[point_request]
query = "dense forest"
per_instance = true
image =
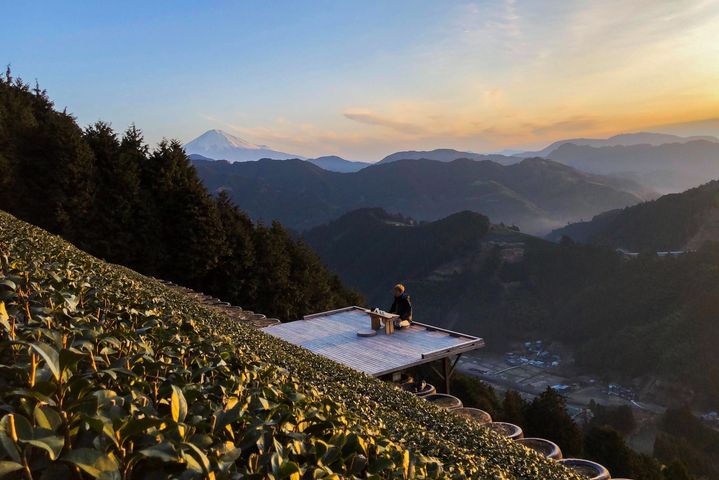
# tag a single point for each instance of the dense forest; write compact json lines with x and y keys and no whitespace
{"x":373,"y":249}
{"x":624,"y":318}
{"x":685,"y":448}
{"x":673,"y":222}
{"x":113,"y":196}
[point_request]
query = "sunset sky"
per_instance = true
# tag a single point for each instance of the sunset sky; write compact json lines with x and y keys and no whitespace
{"x":364,"y":79}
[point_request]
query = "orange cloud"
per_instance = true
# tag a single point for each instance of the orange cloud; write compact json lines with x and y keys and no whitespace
{"x":370,"y":118}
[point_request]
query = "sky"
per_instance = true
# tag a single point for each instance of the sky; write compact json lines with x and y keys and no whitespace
{"x":367,"y":78}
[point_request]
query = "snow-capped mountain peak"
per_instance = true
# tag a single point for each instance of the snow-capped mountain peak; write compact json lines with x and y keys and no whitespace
{"x":220,"y":145}
{"x":220,"y":139}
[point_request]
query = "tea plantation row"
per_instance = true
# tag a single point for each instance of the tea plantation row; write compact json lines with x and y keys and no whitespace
{"x":107,"y":374}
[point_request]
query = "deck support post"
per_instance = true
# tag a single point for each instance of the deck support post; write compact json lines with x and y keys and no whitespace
{"x":447,"y":373}
{"x":448,"y":368}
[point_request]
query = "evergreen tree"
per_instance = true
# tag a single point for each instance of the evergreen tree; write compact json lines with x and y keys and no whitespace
{"x":52,"y":167}
{"x":132,"y":155}
{"x":111,"y":234}
{"x":191,"y":237}
{"x":477,"y":394}
{"x":547,"y":417}
{"x":606,"y":446}
{"x":234,"y":273}
{"x":513,"y":408}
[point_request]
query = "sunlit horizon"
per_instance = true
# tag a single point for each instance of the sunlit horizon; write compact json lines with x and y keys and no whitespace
{"x":363,"y":81}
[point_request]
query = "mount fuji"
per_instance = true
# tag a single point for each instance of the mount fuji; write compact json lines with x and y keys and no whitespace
{"x":219,"y":145}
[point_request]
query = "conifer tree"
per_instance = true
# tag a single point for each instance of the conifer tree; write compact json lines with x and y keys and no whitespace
{"x":111,"y":232}
{"x":234,"y":273}
{"x":547,"y":417}
{"x":606,"y":446}
{"x":513,"y":408}
{"x":191,"y":236}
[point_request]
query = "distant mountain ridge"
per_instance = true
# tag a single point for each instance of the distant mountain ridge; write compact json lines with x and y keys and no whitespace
{"x":535,"y":194}
{"x":447,"y":155}
{"x":219,"y":145}
{"x":680,"y":221}
{"x":333,"y":163}
{"x":216,"y":144}
{"x":624,"y":139}
{"x":397,"y":242}
{"x":669,"y":168}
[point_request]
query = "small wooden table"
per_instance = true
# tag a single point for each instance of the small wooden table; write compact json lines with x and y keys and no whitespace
{"x":388,"y":319}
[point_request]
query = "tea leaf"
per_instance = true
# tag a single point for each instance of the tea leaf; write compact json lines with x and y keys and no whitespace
{"x":178,"y":404}
{"x":47,"y":440}
{"x":164,"y":452}
{"x":9,"y":467}
{"x":50,"y":355}
{"x":46,"y":417}
{"x":94,"y":462}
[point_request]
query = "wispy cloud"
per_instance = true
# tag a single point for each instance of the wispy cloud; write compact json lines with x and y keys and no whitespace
{"x":500,"y":73}
{"x":370,"y":118}
{"x":577,"y":123}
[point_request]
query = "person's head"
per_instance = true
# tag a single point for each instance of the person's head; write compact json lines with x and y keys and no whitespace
{"x":398,"y":290}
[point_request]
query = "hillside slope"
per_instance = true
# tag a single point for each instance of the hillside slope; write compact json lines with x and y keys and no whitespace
{"x":673,"y":222}
{"x":110,"y":373}
{"x":535,"y":194}
{"x":374,"y":250}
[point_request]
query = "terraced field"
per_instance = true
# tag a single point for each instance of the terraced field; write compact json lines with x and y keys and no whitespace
{"x":108,"y":374}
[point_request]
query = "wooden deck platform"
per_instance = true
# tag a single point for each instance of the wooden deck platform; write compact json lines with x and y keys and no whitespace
{"x":334,"y":335}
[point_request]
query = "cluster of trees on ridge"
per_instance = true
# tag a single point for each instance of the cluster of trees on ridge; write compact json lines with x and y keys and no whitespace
{"x":685,"y":449}
{"x":649,"y":316}
{"x":673,"y":222}
{"x":145,"y":208}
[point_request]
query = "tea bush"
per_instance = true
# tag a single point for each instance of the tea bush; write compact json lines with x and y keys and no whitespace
{"x":107,"y":374}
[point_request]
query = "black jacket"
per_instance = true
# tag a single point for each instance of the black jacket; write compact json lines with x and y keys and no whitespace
{"x":402,"y":306}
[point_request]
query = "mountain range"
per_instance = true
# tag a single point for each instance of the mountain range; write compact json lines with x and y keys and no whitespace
{"x":447,"y":155}
{"x":333,"y":163}
{"x":371,"y":248}
{"x":219,"y":145}
{"x":660,"y":162}
{"x":668,"y":168}
{"x":624,"y":139}
{"x":535,"y":194}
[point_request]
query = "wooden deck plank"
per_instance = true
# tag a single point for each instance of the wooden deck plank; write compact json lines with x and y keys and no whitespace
{"x":334,"y":335}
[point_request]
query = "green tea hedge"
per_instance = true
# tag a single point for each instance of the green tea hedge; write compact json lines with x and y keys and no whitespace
{"x":107,"y":374}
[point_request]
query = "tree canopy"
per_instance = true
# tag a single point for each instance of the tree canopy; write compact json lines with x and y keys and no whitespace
{"x":115,"y":197}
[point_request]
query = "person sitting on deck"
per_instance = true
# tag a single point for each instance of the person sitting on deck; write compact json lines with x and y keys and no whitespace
{"x":402,"y":306}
